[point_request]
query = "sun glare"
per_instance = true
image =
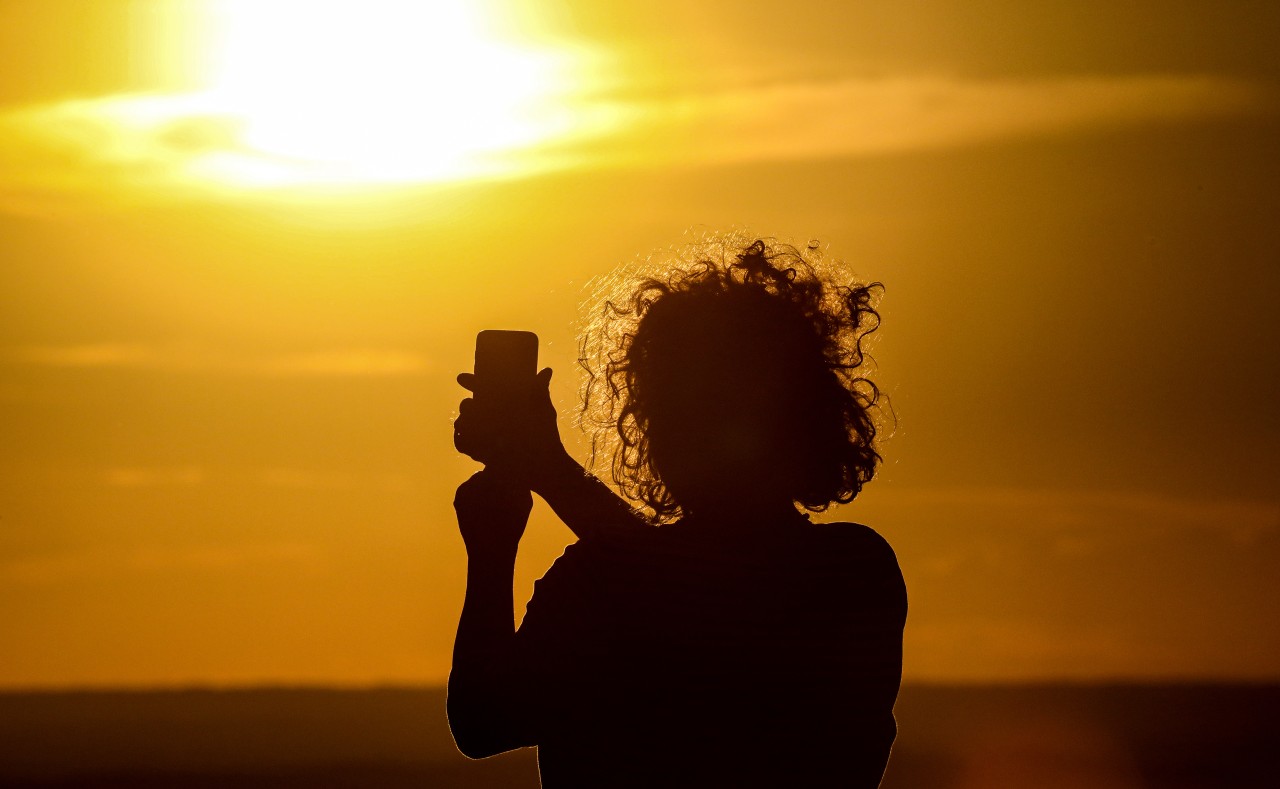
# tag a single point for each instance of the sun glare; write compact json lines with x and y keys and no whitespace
{"x":298,"y":93}
{"x":381,"y":91}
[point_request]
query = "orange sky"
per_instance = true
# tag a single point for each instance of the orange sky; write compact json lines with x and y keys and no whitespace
{"x":226,"y":406}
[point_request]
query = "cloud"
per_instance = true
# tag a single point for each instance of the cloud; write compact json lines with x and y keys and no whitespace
{"x":333,"y":362}
{"x":863,"y":117}
{"x":86,"y":355}
{"x":114,"y":564}
{"x":1068,"y":513}
{"x":1026,"y":583}
{"x":361,"y":362}
{"x":977,"y":647}
{"x":1029,"y":645}
{"x":314,"y":479}
{"x":136,"y":477}
{"x":174,"y":144}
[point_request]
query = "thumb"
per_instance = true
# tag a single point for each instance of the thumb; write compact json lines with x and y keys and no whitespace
{"x":544,"y":377}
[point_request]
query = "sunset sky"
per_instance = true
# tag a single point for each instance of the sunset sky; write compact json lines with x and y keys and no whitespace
{"x":246,"y":246}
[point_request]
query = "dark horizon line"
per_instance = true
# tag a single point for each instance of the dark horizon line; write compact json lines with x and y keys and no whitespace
{"x":196,"y":687}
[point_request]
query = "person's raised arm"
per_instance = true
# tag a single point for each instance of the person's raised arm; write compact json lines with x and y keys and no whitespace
{"x":526,"y":445}
{"x":485,"y":704}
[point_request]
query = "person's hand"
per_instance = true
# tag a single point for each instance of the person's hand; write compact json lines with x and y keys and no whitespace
{"x":519,"y":435}
{"x":492,"y":514}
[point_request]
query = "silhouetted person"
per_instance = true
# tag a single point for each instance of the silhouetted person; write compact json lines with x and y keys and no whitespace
{"x":723,"y":639}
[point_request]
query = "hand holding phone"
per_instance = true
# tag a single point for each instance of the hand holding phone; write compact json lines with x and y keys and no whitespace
{"x":510,"y":423}
{"x":496,"y":425}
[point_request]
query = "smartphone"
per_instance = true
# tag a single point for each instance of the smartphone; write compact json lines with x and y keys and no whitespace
{"x":506,"y":363}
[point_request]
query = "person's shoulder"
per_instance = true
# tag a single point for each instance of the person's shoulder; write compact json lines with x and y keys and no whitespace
{"x":856,"y":537}
{"x":870,"y":553}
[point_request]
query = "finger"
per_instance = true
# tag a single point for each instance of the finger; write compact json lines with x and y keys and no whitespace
{"x":466,"y":405}
{"x":463,"y":441}
{"x":467,"y":381}
{"x":467,"y":446}
{"x":542,"y":391}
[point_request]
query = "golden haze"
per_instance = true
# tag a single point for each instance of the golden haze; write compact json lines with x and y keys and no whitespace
{"x":247,"y":246}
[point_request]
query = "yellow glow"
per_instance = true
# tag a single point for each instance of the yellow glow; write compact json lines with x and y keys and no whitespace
{"x":372,"y":91}
{"x":289,"y":93}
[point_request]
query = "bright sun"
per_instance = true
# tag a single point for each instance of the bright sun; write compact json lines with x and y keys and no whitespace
{"x":285,"y":94}
{"x":377,"y":90}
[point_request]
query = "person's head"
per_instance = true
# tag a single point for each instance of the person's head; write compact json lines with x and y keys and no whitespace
{"x":735,"y":377}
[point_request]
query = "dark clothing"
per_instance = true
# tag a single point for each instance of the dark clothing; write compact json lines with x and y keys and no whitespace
{"x":665,"y":657}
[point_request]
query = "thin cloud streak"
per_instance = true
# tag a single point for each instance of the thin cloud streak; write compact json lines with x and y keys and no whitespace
{"x":352,"y":363}
{"x":301,"y":479}
{"x":337,"y":362}
{"x":106,"y":565}
{"x":896,"y":115}
{"x":1065,"y":510}
{"x":160,"y":145}
{"x":995,"y":576}
{"x":138,"y":477}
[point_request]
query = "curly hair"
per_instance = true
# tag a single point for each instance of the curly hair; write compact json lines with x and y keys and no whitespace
{"x":777,"y":337}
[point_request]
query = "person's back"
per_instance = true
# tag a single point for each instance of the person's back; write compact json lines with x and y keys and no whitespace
{"x":662,"y":658}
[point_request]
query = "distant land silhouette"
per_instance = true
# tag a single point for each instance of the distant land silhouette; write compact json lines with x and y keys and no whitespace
{"x":1106,"y":736}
